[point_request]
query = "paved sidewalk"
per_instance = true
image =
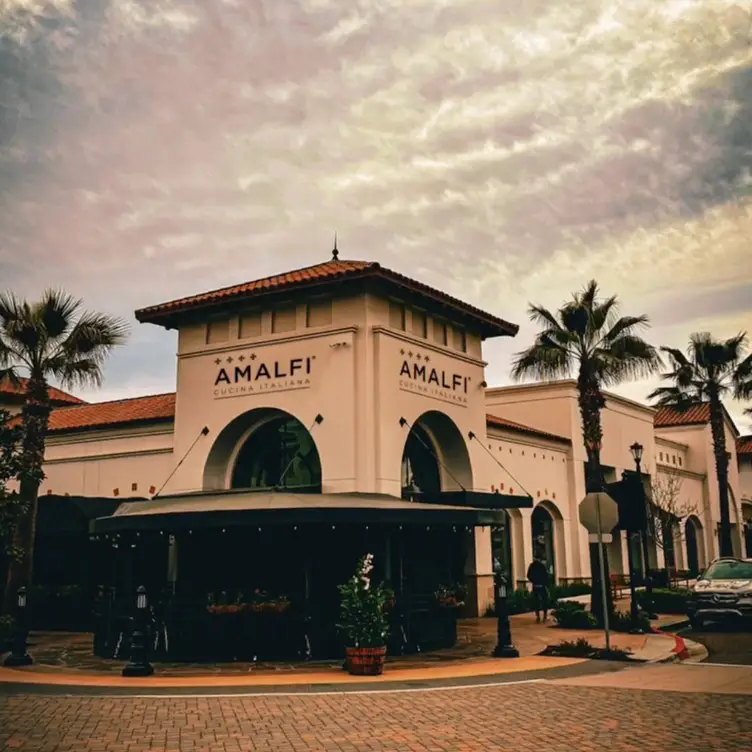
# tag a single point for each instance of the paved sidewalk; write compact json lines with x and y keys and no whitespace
{"x":66,"y":659}
{"x":693,"y":678}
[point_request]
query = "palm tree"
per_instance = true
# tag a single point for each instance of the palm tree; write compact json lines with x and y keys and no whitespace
{"x":710,"y":370}
{"x":587,"y":338}
{"x":50,"y":338}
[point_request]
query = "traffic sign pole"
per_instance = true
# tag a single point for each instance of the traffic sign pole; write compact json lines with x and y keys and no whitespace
{"x":604,"y":595}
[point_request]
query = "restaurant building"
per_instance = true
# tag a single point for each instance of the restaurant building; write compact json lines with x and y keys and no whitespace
{"x":343,"y":408}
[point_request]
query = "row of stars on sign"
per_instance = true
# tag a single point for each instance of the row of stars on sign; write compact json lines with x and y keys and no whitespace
{"x":418,"y":356}
{"x":229,"y":359}
{"x":253,"y":356}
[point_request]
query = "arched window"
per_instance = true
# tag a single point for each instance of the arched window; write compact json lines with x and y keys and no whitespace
{"x":420,"y":466}
{"x":278,"y":454}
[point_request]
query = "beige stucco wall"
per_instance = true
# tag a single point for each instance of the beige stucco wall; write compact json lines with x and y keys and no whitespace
{"x":97,"y":463}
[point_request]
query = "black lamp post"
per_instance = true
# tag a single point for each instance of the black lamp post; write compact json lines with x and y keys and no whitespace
{"x":636,"y":450}
{"x":504,"y":647}
{"x":18,"y":655}
{"x":139,"y":663}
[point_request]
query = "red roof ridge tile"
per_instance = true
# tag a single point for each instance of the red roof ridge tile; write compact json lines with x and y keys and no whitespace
{"x":522,"y":428}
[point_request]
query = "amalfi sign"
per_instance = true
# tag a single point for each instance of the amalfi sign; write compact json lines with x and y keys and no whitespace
{"x":238,"y":376}
{"x":419,"y":376}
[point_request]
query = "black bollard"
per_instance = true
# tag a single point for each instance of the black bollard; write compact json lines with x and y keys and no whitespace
{"x":139,"y":663}
{"x":99,"y":648}
{"x":18,"y":655}
{"x":504,"y":647}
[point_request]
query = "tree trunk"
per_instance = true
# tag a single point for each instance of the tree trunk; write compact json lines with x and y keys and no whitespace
{"x":721,"y":467}
{"x":591,"y":401}
{"x":34,"y":418}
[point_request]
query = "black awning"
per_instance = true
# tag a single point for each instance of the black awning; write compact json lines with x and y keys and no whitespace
{"x":72,"y":514}
{"x":243,"y":508}
{"x":477,"y":499}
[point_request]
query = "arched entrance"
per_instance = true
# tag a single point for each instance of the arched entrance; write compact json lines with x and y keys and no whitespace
{"x":435,"y":457}
{"x":747,"y":528}
{"x":264,"y":448}
{"x":693,"y":533}
{"x":544,"y":537}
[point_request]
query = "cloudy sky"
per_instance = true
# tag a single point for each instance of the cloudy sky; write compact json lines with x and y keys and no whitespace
{"x":503,"y":151}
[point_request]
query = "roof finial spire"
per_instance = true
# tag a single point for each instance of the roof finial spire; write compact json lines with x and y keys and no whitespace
{"x":335,"y":252}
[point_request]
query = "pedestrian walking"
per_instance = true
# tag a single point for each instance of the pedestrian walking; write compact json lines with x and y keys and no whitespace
{"x":537,"y":575}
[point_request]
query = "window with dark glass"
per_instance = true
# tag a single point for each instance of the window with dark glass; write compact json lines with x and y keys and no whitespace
{"x":280,"y":453}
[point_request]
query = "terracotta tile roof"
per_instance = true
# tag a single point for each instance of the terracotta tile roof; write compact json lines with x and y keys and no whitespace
{"x":744,"y":445}
{"x":671,"y":416}
{"x":57,"y":396}
{"x":120,"y":412}
{"x":320,"y":274}
{"x":494,"y":421}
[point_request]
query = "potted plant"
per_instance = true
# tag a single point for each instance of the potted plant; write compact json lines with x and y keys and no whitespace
{"x":364,"y":621}
{"x":450,"y":596}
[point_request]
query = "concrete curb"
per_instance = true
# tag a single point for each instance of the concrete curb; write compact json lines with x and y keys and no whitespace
{"x":682,"y":650}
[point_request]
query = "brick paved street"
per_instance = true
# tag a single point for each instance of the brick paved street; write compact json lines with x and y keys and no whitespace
{"x":534,"y":717}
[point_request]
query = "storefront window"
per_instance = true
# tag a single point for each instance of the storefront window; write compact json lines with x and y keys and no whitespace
{"x":280,"y":453}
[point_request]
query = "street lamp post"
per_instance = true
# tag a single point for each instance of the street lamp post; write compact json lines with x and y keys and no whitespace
{"x":18,"y":655}
{"x":636,"y":450}
{"x":504,"y":647}
{"x":139,"y":663}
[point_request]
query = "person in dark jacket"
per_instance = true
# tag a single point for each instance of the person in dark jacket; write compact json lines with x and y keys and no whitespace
{"x":537,"y":574}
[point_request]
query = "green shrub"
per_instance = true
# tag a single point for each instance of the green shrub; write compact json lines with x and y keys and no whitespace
{"x":572,"y":615}
{"x":666,"y":601}
{"x":522,"y":601}
{"x":570,"y":590}
{"x":621,"y":622}
{"x":581,"y":648}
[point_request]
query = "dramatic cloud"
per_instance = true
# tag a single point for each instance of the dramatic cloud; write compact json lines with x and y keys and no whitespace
{"x":502,"y":151}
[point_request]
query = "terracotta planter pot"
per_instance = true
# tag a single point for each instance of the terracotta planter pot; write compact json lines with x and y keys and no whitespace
{"x":365,"y":661}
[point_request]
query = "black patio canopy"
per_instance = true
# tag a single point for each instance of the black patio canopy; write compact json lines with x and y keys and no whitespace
{"x":237,"y":508}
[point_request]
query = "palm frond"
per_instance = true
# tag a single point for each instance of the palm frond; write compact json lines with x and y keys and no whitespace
{"x":672,"y":396}
{"x":9,"y":375}
{"x":94,"y":335}
{"x":543,"y":317}
{"x":625,"y":325}
{"x":588,"y":295}
{"x":603,"y":313}
{"x":82,"y":372}
{"x":677,"y":358}
{"x":742,"y":379}
{"x":629,"y":357}
{"x":56,"y":312}
{"x":545,"y":360}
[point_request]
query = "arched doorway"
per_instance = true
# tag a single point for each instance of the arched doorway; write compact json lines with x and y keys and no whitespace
{"x":435,"y":457}
{"x":693,"y":533}
{"x":280,"y":453}
{"x":543,"y":534}
{"x":747,"y":528}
